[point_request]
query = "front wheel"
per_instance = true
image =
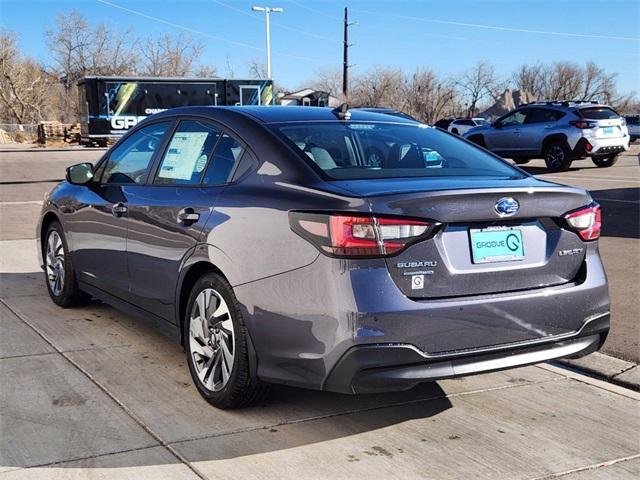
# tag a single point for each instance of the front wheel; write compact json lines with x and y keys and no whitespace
{"x":605,"y":162}
{"x":217,"y":346}
{"x":59,"y":270}
{"x":558,"y":156}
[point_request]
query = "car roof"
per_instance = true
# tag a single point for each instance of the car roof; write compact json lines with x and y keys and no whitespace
{"x":279,"y":113}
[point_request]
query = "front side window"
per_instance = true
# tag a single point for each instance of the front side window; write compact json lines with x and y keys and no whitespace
{"x":362,"y":150}
{"x":516,"y":118}
{"x":129,"y":162}
{"x":228,"y":151}
{"x":187,"y":154}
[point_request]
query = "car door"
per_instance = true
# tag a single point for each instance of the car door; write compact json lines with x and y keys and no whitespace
{"x":166,"y":216}
{"x":538,"y":124}
{"x":98,"y":225}
{"x":505,"y":137}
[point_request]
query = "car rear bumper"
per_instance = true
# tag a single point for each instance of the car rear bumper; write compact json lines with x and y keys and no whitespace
{"x":600,"y":146}
{"x":381,"y":368}
{"x":334,"y":307}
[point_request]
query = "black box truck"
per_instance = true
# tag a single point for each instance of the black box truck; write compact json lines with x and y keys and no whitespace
{"x":111,"y":105}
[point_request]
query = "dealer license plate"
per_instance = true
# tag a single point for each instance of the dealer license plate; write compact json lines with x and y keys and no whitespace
{"x":502,"y":244}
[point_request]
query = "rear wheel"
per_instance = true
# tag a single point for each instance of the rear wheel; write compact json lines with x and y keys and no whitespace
{"x":217,"y":346}
{"x":59,"y":270}
{"x":478,"y":140}
{"x":558,"y":156}
{"x":455,"y":131}
{"x":604,"y":162}
{"x":521,"y":161}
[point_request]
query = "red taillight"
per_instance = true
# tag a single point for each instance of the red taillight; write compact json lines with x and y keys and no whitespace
{"x":358,"y":236}
{"x":582,"y":124}
{"x":586,"y":221}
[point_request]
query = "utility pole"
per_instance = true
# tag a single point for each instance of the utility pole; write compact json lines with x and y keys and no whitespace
{"x":345,"y":57}
{"x":267,"y":11}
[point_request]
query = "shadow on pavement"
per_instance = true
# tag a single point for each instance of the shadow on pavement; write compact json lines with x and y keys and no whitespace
{"x":55,"y":414}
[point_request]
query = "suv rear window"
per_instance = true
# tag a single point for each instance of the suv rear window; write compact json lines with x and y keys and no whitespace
{"x":598,"y":113}
{"x":362,"y":150}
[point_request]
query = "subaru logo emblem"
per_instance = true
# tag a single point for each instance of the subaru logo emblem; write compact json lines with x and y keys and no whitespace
{"x":506,"y":206}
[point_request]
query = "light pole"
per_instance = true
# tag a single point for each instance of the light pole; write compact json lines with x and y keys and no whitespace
{"x":267,"y":11}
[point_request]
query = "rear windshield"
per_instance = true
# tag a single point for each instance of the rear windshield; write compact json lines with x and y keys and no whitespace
{"x":362,"y":150}
{"x":598,"y":113}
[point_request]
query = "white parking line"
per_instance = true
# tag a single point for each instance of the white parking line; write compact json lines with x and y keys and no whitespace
{"x":617,"y":200}
{"x":593,"y":179}
{"x":25,"y":202}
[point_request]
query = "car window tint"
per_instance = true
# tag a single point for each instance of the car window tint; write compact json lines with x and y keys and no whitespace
{"x":541,"y":115}
{"x":516,"y":118}
{"x":129,"y":161}
{"x":598,"y":113}
{"x":362,"y":150}
{"x":225,"y":155}
{"x":187,"y":154}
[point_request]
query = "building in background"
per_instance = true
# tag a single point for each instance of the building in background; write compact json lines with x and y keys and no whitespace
{"x":309,"y":97}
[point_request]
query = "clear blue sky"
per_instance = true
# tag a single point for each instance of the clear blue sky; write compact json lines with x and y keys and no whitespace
{"x":445,"y":35}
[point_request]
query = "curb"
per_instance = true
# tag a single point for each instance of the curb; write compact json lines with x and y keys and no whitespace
{"x":60,"y":149}
{"x":607,"y":368}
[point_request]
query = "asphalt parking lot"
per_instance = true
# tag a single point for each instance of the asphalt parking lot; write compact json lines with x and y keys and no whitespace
{"x":93,"y":393}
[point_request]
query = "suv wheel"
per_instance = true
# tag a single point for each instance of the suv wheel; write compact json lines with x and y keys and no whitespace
{"x":217,"y":347}
{"x":604,"y":162}
{"x":455,"y":131}
{"x":558,"y":156}
{"x":521,"y":161}
{"x":59,"y":270}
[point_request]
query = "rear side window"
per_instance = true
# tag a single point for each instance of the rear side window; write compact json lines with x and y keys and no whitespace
{"x":633,"y":120}
{"x":188,"y":152}
{"x":228,"y":151}
{"x":362,"y":150}
{"x":542,"y":115}
{"x":598,"y":113}
{"x":129,"y":162}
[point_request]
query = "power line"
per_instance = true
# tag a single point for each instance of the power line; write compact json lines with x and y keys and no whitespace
{"x":285,"y":27}
{"x":496,"y":27}
{"x":314,"y":10}
{"x":209,"y":35}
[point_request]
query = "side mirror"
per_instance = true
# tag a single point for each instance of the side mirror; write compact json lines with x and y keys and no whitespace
{"x":80,"y":174}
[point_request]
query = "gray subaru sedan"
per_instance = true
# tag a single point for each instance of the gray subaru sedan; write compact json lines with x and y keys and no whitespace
{"x":347,"y":251}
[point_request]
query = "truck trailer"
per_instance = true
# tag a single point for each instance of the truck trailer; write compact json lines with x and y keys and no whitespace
{"x":111,"y":105}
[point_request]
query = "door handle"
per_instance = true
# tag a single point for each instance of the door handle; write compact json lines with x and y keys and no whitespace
{"x":119,"y":209}
{"x":188,"y":216}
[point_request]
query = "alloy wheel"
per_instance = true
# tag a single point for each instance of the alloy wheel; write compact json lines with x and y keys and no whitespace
{"x":211,"y":339}
{"x":555,"y":156}
{"x":54,"y":262}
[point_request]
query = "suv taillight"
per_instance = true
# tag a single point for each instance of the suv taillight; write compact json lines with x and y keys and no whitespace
{"x":586,"y":221}
{"x":583,"y":124}
{"x":353,"y":235}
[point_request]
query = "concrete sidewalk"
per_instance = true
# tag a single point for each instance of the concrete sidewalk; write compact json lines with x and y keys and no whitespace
{"x":92,"y":393}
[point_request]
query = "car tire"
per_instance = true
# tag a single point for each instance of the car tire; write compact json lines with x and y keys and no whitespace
{"x":217,"y":346}
{"x":521,"y":161}
{"x":59,"y":271}
{"x":478,"y":140}
{"x":558,"y":156}
{"x":605,"y":162}
{"x":455,"y":131}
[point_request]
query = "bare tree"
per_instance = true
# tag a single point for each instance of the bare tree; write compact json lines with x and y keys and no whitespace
{"x":478,"y":83}
{"x":169,"y":56}
{"x":428,"y":98}
{"x":381,"y":87}
{"x":567,"y":81}
{"x":24,"y":85}
{"x":328,"y":80}
{"x":257,"y":69}
{"x":205,"y":71}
